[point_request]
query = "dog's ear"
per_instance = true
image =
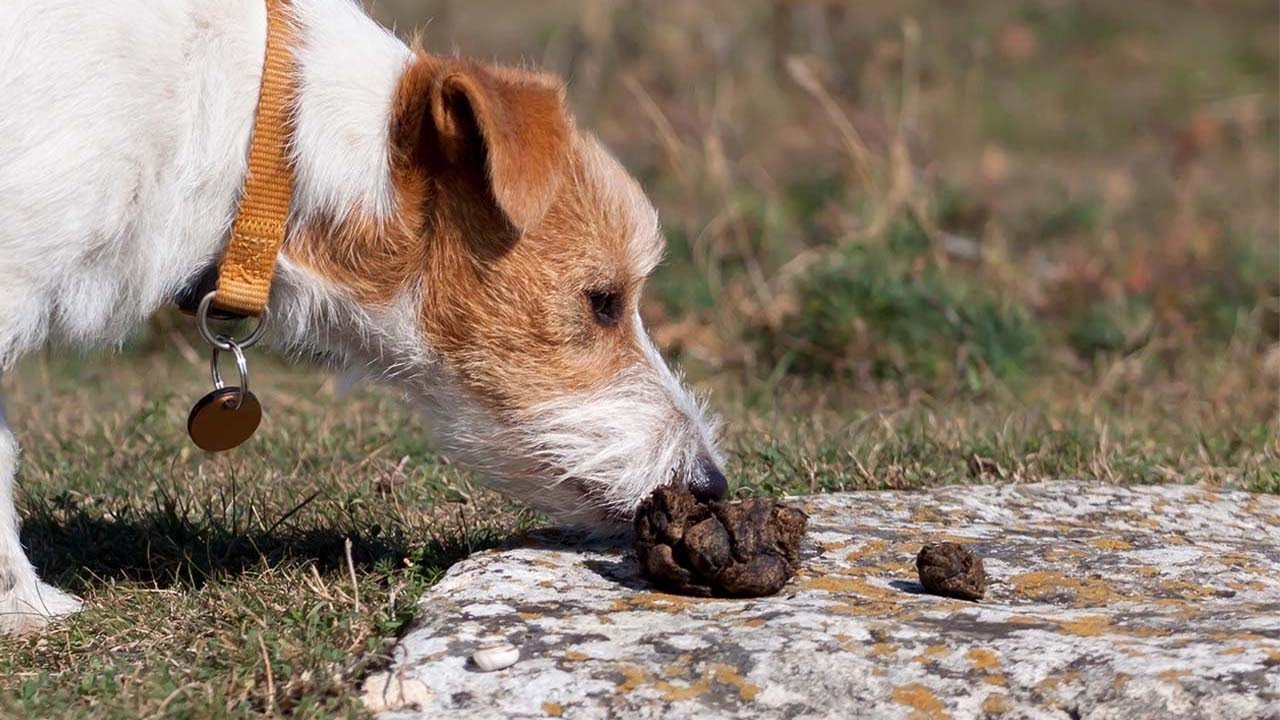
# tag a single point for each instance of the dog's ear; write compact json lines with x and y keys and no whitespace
{"x":507,"y":128}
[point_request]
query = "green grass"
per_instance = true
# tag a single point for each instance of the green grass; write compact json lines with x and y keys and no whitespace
{"x":870,"y":312}
{"x":199,"y":570}
{"x":1051,"y":252}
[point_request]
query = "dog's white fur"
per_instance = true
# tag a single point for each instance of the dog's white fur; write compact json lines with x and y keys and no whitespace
{"x":123,"y":134}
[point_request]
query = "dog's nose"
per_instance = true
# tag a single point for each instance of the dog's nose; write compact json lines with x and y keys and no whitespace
{"x":710,"y":483}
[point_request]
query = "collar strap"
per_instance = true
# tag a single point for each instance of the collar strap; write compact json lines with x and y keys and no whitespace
{"x":244,"y":276}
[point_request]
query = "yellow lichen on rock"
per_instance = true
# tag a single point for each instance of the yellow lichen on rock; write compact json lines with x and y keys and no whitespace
{"x":924,"y":703}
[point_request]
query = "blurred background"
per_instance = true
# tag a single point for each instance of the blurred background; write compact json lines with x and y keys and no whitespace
{"x":937,"y":195}
{"x":1065,"y":203}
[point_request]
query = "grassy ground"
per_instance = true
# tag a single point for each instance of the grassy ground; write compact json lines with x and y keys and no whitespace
{"x":912,"y":243}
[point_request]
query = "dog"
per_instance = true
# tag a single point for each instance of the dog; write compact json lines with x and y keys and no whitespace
{"x":451,"y":229}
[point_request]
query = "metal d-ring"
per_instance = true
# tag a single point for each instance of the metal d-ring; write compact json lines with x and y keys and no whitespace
{"x":222,"y":342}
{"x":242,"y":367}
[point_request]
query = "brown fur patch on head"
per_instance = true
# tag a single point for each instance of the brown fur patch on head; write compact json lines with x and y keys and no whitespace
{"x":508,"y":221}
{"x":517,"y":324}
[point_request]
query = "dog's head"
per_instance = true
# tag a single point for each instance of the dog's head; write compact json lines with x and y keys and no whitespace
{"x":513,"y":266}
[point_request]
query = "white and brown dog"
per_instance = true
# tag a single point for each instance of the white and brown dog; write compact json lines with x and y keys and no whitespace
{"x":450,"y":228}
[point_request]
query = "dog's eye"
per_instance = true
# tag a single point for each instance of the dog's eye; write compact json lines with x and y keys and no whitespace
{"x":606,"y":306}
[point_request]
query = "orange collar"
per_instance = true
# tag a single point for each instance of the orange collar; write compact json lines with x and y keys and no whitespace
{"x":244,"y":277}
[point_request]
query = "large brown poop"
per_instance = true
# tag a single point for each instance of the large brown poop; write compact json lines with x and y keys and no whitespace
{"x":724,"y":549}
{"x":949,"y":569}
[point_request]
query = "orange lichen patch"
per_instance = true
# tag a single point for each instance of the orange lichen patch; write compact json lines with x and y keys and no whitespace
{"x":983,"y":659}
{"x":1086,"y":626}
{"x":1186,"y":590}
{"x":1027,"y":620}
{"x":848,"y":586}
{"x":1041,"y":585}
{"x":947,"y":605}
{"x":1061,"y":553}
{"x":678,"y":668}
{"x":1273,"y":655}
{"x":635,"y":677}
{"x":604,"y":619}
{"x":924,"y":704}
{"x":632,"y":678}
{"x":552,"y":709}
{"x":1119,"y":681}
{"x":1111,"y":544}
{"x":871,"y":547}
{"x":905,"y":547}
{"x":867,"y":609}
{"x":1235,"y":650}
{"x":546,"y":584}
{"x":1145,"y":570}
{"x":574,"y":656}
{"x":529,"y":615}
{"x":931,"y":654}
{"x":848,"y":642}
{"x":996,"y":704}
{"x":729,"y":675}
{"x":882,"y":648}
{"x":1244,"y":636}
{"x":943,"y":537}
{"x":753,"y":622}
{"x":654,"y":601}
{"x":1173,"y":676}
{"x":894,"y":569}
{"x":926,"y":514}
{"x":1235,"y":559}
{"x":1243,"y":585}
{"x":996,"y":679}
{"x":673,"y":693}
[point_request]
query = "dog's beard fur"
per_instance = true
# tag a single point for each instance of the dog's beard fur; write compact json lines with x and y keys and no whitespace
{"x":587,"y":458}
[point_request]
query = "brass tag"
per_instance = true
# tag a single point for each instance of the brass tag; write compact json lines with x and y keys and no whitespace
{"x":217,"y":423}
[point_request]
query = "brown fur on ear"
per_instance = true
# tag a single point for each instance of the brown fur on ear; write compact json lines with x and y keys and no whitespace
{"x":458,"y":117}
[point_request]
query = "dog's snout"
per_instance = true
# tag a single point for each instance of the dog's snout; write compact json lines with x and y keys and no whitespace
{"x":710,"y":482}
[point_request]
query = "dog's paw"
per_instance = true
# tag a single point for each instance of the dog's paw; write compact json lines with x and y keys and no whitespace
{"x":31,"y":608}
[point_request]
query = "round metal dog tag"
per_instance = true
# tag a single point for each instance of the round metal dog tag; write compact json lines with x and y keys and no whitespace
{"x":224,"y":419}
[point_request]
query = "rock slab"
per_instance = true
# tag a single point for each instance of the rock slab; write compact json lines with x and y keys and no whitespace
{"x":1105,"y":601}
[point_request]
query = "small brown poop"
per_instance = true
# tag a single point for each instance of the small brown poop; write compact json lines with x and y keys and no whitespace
{"x":723,"y":549}
{"x":952,"y":570}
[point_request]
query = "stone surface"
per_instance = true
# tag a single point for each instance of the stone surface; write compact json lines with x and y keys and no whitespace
{"x":1106,"y":602}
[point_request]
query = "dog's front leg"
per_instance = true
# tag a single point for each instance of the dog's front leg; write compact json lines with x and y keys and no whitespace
{"x":26,"y":604}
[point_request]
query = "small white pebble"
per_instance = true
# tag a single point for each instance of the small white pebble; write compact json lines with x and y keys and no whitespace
{"x":496,"y":657}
